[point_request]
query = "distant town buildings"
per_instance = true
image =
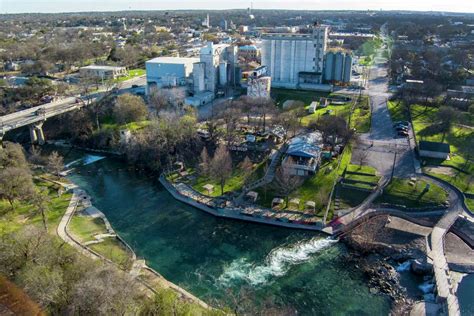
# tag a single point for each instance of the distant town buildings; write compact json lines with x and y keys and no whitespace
{"x":249,"y":53}
{"x":206,"y":22}
{"x":296,"y":60}
{"x":102,"y":72}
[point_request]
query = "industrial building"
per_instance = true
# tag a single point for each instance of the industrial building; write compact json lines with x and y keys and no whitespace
{"x":215,"y":71}
{"x":168,"y":71}
{"x":296,"y":60}
{"x":102,"y":72}
{"x":337,"y":68}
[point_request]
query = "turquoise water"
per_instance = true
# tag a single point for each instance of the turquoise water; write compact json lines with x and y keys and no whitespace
{"x":466,"y":295}
{"x":217,"y":259}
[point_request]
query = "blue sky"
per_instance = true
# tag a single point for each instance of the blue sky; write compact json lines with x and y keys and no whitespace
{"x":20,"y":6}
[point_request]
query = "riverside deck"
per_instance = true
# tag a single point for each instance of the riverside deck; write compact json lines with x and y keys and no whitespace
{"x":186,"y":194}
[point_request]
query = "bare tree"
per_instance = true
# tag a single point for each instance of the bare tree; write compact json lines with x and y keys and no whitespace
{"x":55,"y":163}
{"x":204,"y":162}
{"x":221,"y":166}
{"x":40,"y":200}
{"x":285,"y":181}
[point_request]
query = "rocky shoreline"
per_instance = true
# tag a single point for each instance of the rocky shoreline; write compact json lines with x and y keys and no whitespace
{"x":378,"y":261}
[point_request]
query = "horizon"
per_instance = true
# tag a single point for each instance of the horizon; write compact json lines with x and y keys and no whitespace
{"x":64,"y":6}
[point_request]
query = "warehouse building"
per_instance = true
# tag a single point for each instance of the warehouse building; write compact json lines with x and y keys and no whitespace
{"x":168,"y":71}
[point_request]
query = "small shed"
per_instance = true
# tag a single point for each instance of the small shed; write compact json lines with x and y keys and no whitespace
{"x":310,"y":205}
{"x":252,"y":196}
{"x":312,"y":107}
{"x":276,"y":202}
{"x":295,"y":202}
{"x":434,"y":150}
{"x":209,"y":188}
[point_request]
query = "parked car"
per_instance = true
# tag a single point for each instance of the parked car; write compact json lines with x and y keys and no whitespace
{"x":400,"y":123}
{"x":403,"y":133}
{"x":401,"y":128}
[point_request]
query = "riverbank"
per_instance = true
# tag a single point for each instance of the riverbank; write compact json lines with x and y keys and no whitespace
{"x":186,"y":194}
{"x":147,"y":276}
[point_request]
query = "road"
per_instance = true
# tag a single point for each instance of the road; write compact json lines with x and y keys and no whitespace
{"x":30,"y":116}
{"x":382,"y":148}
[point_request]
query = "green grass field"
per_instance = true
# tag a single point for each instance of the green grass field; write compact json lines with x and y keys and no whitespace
{"x":24,"y":213}
{"x":361,"y":117}
{"x":398,"y":111}
{"x":401,"y":192}
{"x":459,"y":138}
{"x":132,"y":73}
{"x":85,"y":227}
{"x":341,"y":110}
{"x":114,"y":250}
{"x":281,"y":95}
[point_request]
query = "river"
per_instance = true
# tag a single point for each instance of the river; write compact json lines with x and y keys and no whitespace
{"x":220,"y":260}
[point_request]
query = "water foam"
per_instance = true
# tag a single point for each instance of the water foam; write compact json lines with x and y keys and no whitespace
{"x":91,"y":159}
{"x":426,"y":287}
{"x":404,"y":266}
{"x":276,"y":264}
{"x":72,"y":163}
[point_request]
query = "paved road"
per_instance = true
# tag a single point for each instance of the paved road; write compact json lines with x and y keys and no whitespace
{"x":381,"y":147}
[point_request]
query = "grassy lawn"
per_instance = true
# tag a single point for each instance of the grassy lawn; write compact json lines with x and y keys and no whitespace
{"x":423,"y":119}
{"x":132,"y":73}
{"x":343,"y":110}
{"x":397,"y":111}
{"x":114,"y":250}
{"x":133,"y":126}
{"x":361,"y":117}
{"x":470,"y":204}
{"x":401,"y":192}
{"x":85,"y":227}
{"x":24,"y":213}
{"x":234,"y":183}
{"x":281,"y":95}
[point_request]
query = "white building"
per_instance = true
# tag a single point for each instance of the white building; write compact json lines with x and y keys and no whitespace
{"x":295,"y":60}
{"x":168,"y":71}
{"x":214,"y":70}
{"x":102,"y":72}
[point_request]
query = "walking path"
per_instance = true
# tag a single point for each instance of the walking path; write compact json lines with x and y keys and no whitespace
{"x":444,"y":282}
{"x":137,"y":265}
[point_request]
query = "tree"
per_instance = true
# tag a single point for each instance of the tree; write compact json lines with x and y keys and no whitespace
{"x":40,"y":200}
{"x":15,"y":184}
{"x":289,"y":122}
{"x":333,"y":128}
{"x":246,"y":166}
{"x":447,"y":116}
{"x":12,"y":155}
{"x":55,"y":163}
{"x":285,"y":181}
{"x":221,"y":166}
{"x":204,"y":162}
{"x":129,"y":108}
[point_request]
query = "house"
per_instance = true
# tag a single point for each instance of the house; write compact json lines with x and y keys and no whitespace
{"x":434,"y":150}
{"x":304,"y":154}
